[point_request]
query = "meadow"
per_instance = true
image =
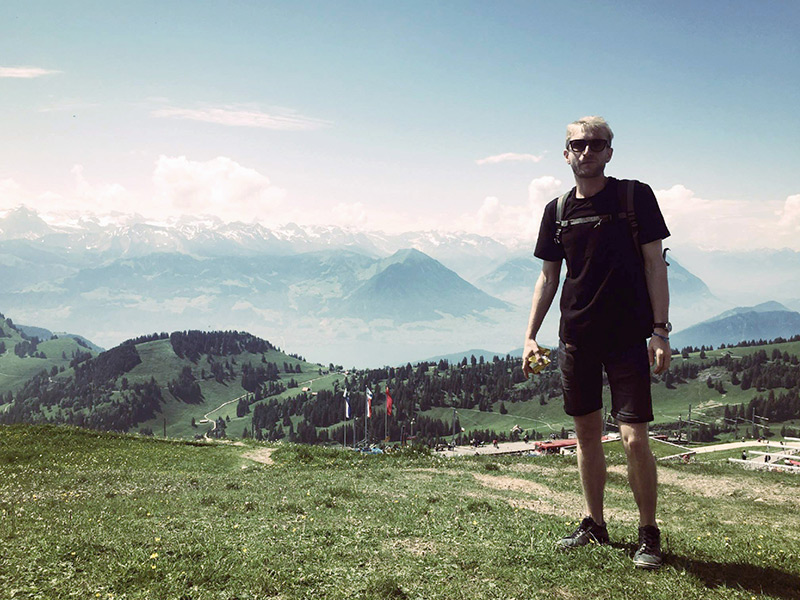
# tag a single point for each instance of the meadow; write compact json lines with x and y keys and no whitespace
{"x":95,"y":515}
{"x":669,"y":405}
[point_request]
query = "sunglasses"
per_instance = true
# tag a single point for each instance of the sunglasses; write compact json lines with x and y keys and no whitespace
{"x":579,"y":146}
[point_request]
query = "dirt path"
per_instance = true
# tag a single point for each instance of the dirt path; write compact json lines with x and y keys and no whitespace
{"x":205,"y":418}
{"x":774,"y":446}
{"x":260,"y":455}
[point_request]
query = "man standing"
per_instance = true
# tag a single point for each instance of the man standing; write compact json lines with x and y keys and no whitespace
{"x":615,"y":296}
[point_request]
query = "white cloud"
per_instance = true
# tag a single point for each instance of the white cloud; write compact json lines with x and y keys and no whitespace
{"x":10,"y":193}
{"x":366,"y":217}
{"x":509,"y":157}
{"x":25,"y":72}
{"x":100,"y":198}
{"x":729,"y":224}
{"x":353,"y":214}
{"x":489,"y":212}
{"x":693,"y":221}
{"x":238,"y":116}
{"x":511,"y":222}
{"x":790,"y":215}
{"x":220,"y":187}
{"x":541,"y":191}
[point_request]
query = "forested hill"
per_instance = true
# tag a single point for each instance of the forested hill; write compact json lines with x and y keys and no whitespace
{"x":23,"y":355}
{"x":245,"y":386}
{"x":418,"y":393}
{"x":132,"y":383}
{"x":490,"y":399}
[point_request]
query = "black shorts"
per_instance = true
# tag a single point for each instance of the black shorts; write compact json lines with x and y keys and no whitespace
{"x":628,"y":373}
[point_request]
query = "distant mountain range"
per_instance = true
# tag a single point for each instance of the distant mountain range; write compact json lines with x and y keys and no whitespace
{"x":351,"y":297}
{"x":45,"y":335}
{"x":690,"y":298}
{"x":765,"y":321}
{"x":748,"y":278}
{"x":93,"y":238}
{"x":457,"y":357}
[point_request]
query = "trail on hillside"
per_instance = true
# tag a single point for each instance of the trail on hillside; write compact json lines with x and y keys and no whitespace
{"x":260,"y":455}
{"x":206,"y":419}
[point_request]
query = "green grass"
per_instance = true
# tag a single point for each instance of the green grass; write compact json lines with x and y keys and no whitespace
{"x":16,"y":371}
{"x":161,"y":362}
{"x":668,"y":404}
{"x":91,"y":515}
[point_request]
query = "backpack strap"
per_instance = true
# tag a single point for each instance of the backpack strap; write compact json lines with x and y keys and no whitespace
{"x":560,"y":223}
{"x":625,"y":190}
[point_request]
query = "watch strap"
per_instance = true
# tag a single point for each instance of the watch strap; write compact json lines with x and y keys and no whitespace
{"x":663,"y":325}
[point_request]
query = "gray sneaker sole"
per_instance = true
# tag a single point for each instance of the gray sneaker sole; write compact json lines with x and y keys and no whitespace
{"x":568,"y":544}
{"x":646,"y":564}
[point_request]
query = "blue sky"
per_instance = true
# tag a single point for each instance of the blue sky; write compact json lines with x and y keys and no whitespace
{"x":382,"y":114}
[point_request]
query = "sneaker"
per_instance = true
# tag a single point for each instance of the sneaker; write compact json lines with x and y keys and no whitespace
{"x":648,"y":556}
{"x":588,"y":532}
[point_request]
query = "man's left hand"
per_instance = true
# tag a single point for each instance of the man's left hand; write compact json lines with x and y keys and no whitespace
{"x":659,"y":353}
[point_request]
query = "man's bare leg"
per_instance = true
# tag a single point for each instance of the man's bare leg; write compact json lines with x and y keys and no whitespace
{"x":641,"y":470}
{"x":591,"y":462}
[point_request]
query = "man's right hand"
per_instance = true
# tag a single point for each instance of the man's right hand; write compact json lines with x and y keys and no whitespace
{"x":531,"y":349}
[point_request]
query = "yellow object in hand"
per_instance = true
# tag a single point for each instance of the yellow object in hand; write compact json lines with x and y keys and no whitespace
{"x":537,"y":366}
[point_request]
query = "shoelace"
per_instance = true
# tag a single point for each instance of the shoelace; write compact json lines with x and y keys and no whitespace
{"x":649,"y":541}
{"x":584,"y":527}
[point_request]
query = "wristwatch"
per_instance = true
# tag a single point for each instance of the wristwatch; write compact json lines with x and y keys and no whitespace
{"x":667,"y":326}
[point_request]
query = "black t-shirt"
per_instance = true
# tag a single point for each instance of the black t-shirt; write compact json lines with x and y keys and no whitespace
{"x":604,"y":301}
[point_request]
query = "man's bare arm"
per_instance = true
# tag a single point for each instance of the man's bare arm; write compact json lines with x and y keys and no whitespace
{"x":543,"y":294}
{"x":655,"y":271}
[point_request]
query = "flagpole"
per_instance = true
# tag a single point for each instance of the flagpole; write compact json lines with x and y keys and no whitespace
{"x":346,"y":416}
{"x":366,"y":415}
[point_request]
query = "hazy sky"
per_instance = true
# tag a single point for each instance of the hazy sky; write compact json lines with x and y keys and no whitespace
{"x":401,"y":115}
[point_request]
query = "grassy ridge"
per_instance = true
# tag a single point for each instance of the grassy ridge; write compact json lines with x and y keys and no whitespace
{"x":161,"y":362}
{"x":92,"y":515}
{"x":15,"y":371}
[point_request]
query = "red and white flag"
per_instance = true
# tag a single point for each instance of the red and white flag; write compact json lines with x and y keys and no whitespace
{"x":369,"y":403}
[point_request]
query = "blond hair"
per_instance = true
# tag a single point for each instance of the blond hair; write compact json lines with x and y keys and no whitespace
{"x":590,"y":125}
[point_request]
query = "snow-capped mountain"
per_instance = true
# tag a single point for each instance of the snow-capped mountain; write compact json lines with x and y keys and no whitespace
{"x":211,"y":237}
{"x":361,"y":296}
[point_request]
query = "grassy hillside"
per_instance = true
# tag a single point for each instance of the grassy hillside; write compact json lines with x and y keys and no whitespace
{"x":219,"y":399}
{"x":707,"y":405}
{"x":482,"y":391}
{"x":15,"y":370}
{"x":95,"y":515}
{"x":133,"y":386}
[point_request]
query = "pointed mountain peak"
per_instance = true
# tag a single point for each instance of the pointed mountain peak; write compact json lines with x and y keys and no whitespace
{"x":23,"y":222}
{"x":409,"y":255}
